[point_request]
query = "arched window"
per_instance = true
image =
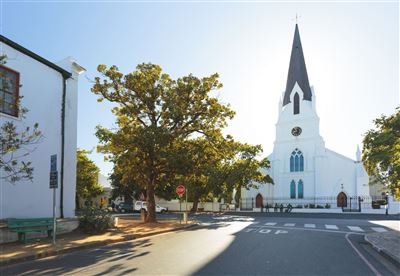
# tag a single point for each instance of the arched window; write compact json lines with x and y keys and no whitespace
{"x":296,"y":161}
{"x":300,"y":189}
{"x":296,"y":105}
{"x":292,"y":189}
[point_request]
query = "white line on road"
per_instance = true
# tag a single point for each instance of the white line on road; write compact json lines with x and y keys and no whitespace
{"x":314,"y":229}
{"x":270,"y":223}
{"x":330,"y":226}
{"x":379,"y":229}
{"x":289,"y":224}
{"x":355,"y":228}
{"x":362,"y":256}
{"x":309,"y":225}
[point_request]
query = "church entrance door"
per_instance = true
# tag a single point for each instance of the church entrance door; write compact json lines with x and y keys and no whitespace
{"x":259,"y":201}
{"x":341,"y":200}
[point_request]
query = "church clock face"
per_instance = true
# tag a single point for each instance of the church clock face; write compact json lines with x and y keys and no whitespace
{"x":296,"y":131}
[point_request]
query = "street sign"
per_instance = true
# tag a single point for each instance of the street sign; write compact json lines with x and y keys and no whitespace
{"x":180,"y":190}
{"x":53,"y":162}
{"x":53,"y":179}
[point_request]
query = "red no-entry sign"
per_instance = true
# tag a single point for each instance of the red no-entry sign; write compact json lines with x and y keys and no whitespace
{"x":180,"y":190}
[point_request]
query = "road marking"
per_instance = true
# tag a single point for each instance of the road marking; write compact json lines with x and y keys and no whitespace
{"x":280,"y":232}
{"x":379,"y":229}
{"x":270,"y":223}
{"x":265,"y":231}
{"x":355,"y":228}
{"x":314,"y":229}
{"x":362,"y":256}
{"x":309,"y":225}
{"x":249,"y":230}
{"x":329,"y":226}
{"x":289,"y":224}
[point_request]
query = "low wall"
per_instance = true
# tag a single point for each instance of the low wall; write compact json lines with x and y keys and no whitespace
{"x":203,"y":206}
{"x":63,"y":226}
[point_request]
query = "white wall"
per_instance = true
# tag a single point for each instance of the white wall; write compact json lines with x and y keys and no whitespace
{"x":42,"y":95}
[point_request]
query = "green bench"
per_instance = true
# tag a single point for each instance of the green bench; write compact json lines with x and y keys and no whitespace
{"x":24,"y":226}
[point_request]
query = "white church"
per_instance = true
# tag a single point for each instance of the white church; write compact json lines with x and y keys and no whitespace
{"x":302,"y":168}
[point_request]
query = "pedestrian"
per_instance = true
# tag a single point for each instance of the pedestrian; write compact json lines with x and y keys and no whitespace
{"x":281,"y":208}
{"x":267,"y":208}
{"x":276,"y":207}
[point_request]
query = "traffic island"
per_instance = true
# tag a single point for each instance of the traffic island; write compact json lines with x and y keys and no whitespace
{"x":127,"y":229}
{"x":387,"y":243}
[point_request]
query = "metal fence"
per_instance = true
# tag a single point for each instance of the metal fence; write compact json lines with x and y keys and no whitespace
{"x":350,"y":203}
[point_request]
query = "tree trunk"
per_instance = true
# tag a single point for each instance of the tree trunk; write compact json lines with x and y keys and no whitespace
{"x":195,"y":204}
{"x":151,"y":204}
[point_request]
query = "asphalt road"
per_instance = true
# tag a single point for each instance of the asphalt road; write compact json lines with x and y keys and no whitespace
{"x":240,"y":245}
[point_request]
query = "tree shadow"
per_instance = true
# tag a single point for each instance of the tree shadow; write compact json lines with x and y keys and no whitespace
{"x":77,"y":262}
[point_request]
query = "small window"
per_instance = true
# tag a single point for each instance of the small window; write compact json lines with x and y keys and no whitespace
{"x":292,"y":189}
{"x":300,"y":189}
{"x":9,"y":91}
{"x":296,"y":105}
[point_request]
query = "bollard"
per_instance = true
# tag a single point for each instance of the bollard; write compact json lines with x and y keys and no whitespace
{"x":185,"y":217}
{"x":115,"y":221}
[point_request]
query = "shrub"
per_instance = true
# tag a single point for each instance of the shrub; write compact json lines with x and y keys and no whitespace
{"x":312,"y":205}
{"x":94,"y":220}
{"x":320,"y":207}
{"x":305,"y":205}
{"x":327,"y":206}
{"x":299,"y":206}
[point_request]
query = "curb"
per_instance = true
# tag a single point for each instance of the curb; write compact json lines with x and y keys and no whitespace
{"x":55,"y":252}
{"x":383,"y":251}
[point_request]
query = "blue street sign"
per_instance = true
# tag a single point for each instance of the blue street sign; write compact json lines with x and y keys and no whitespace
{"x":53,"y":163}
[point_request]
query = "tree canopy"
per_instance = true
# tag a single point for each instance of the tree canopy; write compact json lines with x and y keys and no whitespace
{"x":87,"y":172}
{"x":166,"y":130}
{"x":381,"y":150}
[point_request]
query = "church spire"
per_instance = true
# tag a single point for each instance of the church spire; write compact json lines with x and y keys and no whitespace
{"x":297,"y":71}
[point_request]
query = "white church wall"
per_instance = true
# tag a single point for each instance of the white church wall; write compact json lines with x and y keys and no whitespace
{"x":338,"y":170}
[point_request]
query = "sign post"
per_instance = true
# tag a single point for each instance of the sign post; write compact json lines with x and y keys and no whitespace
{"x":180,"y":190}
{"x":54,"y":186}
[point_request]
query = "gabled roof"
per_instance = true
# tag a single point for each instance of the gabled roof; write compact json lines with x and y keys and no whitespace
{"x":297,"y":71}
{"x":31,"y":54}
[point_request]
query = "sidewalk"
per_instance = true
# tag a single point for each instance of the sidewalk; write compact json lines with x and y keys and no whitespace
{"x":387,"y":243}
{"x":127,"y":229}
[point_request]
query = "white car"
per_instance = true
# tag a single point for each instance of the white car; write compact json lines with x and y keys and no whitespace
{"x":139,"y":205}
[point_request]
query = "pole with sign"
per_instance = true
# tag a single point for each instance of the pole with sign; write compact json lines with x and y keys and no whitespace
{"x":54,"y":186}
{"x":180,"y":190}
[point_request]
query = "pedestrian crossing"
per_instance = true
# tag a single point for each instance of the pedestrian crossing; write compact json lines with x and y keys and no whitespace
{"x":347,"y":228}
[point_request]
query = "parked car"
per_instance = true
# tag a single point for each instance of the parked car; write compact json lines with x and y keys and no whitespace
{"x":125,"y":207}
{"x":139,"y":205}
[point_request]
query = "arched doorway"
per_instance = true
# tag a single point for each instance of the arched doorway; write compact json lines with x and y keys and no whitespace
{"x":341,"y":200}
{"x":259,"y":201}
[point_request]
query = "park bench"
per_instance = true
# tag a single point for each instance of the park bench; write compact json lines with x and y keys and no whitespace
{"x":24,"y":226}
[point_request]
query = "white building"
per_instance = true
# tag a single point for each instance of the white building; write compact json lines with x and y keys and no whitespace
{"x":49,"y":91}
{"x":302,"y":168}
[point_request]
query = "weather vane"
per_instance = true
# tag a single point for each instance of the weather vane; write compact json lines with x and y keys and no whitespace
{"x":296,"y":18}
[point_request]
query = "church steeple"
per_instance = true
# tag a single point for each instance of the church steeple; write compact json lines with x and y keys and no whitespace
{"x":297,"y":71}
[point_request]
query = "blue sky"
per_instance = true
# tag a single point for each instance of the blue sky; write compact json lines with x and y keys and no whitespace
{"x":351,"y":52}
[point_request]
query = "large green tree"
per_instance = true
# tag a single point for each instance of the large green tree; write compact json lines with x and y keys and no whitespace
{"x":381,"y":150}
{"x":154,"y":112}
{"x":87,"y":172}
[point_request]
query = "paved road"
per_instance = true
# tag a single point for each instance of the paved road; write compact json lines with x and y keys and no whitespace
{"x":234,"y":245}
